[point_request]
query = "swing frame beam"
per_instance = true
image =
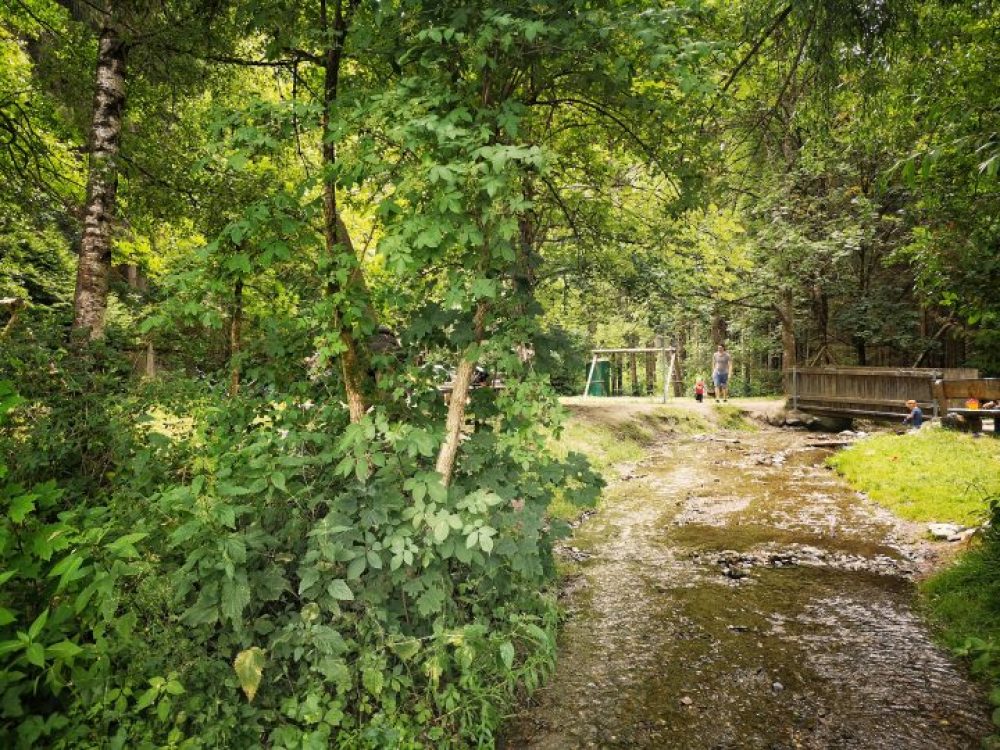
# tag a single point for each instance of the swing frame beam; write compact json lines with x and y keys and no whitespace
{"x":663,"y":351}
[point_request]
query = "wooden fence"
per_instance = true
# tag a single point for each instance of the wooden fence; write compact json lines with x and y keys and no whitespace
{"x":875,"y":392}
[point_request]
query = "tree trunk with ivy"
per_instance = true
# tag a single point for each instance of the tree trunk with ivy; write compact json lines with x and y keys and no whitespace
{"x":94,"y":266}
{"x":236,"y":338}
{"x":338,"y":242}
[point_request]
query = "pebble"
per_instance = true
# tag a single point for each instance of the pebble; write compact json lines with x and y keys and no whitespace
{"x":686,"y":700}
{"x":777,"y":687}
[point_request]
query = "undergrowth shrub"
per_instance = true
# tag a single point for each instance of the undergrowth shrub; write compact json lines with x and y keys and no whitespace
{"x":965,"y":599}
{"x":256,"y":572}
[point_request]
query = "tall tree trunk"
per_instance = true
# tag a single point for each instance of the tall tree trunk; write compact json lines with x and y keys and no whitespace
{"x":139,"y":284}
{"x":720,"y":331}
{"x":94,"y":265}
{"x":821,"y":312}
{"x":786,"y":314}
{"x":862,"y":350}
{"x":526,"y":262}
{"x":337,"y":240}
{"x":461,"y":384}
{"x":236,"y":338}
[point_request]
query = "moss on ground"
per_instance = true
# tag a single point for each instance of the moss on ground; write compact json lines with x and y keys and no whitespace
{"x":931,"y":475}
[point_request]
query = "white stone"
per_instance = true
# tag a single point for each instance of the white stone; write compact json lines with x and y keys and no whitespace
{"x":943,"y":530}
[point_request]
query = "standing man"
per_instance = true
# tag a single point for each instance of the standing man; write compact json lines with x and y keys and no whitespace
{"x":722,"y":368}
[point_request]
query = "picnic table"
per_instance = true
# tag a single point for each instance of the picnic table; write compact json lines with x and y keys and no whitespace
{"x":981,"y":389}
{"x":974,"y":418}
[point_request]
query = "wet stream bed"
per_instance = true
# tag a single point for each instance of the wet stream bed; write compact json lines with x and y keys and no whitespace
{"x":734,"y":593}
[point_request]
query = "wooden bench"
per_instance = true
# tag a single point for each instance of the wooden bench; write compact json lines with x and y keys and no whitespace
{"x":981,"y":389}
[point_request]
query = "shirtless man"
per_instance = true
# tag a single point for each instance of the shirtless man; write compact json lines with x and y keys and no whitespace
{"x":722,"y":368}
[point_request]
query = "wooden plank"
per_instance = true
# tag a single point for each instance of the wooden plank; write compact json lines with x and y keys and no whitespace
{"x":636,"y":350}
{"x":949,"y":373}
{"x":837,"y":400}
{"x":845,"y":412}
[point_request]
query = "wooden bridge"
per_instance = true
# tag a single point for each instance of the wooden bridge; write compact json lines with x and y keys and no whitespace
{"x":867,"y":392}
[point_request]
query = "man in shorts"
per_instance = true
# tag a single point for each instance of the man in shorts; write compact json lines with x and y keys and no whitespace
{"x":722,"y":368}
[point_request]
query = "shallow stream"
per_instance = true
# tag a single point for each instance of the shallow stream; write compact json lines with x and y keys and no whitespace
{"x":734,"y":593}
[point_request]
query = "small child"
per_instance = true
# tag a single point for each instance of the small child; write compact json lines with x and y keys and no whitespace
{"x":699,"y":390}
{"x":916,"y":416}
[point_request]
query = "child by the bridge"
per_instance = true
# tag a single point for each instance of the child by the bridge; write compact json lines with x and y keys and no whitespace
{"x":699,"y":391}
{"x":916,"y":416}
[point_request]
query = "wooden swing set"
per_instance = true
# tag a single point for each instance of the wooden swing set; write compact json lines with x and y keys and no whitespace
{"x":667,"y":356}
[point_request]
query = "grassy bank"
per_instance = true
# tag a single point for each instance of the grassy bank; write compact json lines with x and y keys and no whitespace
{"x":945,"y":476}
{"x":614,"y":434}
{"x":932,"y":475}
{"x":734,"y":418}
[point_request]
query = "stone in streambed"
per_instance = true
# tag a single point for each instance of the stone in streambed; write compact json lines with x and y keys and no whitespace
{"x":962,"y":535}
{"x":943,"y":530}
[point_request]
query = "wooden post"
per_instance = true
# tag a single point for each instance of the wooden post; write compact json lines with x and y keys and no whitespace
{"x":633,"y":368}
{"x":650,"y":371}
{"x":150,"y":365}
{"x":670,"y":373}
{"x":590,"y":376}
{"x":940,"y":403}
{"x":658,"y":342}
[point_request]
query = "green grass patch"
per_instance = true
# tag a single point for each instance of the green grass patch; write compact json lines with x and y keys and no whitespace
{"x":608,"y":439}
{"x":734,"y":418}
{"x":964,"y":599}
{"x":932,"y":475}
{"x":604,"y":445}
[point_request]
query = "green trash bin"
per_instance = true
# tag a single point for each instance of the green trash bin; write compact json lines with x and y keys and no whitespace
{"x":600,"y":384}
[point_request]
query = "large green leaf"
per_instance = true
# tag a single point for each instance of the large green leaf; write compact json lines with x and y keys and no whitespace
{"x":249,"y":666}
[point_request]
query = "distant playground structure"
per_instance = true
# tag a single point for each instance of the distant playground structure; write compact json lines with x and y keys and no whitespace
{"x":615,"y":371}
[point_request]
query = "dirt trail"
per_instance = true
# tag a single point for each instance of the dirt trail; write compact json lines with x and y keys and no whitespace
{"x":734,"y":593}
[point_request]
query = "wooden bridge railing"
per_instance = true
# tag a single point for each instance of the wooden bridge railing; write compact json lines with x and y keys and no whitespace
{"x":876,"y":392}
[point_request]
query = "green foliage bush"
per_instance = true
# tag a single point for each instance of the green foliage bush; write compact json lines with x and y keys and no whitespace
{"x":255,"y":571}
{"x":964,"y":600}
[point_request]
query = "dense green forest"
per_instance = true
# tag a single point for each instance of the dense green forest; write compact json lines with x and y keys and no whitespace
{"x":241,"y":240}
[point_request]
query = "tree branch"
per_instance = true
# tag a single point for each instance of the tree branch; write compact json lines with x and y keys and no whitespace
{"x":778,"y":20}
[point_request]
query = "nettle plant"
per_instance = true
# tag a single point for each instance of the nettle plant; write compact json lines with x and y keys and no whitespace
{"x":63,"y":567}
{"x":358,"y":599}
